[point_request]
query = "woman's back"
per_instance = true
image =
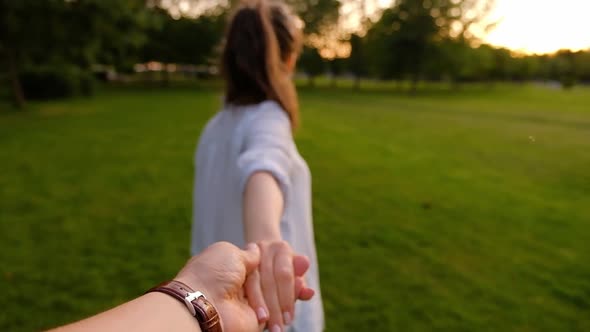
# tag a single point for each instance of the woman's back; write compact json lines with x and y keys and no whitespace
{"x":237,"y":142}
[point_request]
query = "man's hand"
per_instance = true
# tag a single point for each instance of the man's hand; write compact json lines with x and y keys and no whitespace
{"x":220,"y":272}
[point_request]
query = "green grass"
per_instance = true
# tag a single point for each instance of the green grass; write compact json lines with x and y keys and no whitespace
{"x":447,"y":211}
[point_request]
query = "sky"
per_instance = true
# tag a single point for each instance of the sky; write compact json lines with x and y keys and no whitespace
{"x":529,"y":26}
{"x":541,"y":26}
{"x":532,"y":26}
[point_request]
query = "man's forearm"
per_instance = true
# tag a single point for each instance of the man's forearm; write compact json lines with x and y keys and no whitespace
{"x":150,"y":312}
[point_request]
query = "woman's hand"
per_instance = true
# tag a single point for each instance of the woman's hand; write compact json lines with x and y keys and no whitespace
{"x":273,"y":289}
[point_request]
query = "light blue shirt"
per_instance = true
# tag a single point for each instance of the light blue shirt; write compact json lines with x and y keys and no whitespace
{"x":237,"y":142}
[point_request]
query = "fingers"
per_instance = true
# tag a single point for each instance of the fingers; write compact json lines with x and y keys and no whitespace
{"x":302,"y":292}
{"x":256,"y":297}
{"x":300,"y":265}
{"x":280,"y":282}
{"x":251,"y":257}
{"x":299,"y":284}
{"x":285,"y":280}
{"x":269,"y":289}
{"x":306,"y":294}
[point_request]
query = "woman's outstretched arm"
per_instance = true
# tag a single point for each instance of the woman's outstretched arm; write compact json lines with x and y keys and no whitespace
{"x":263,"y":208}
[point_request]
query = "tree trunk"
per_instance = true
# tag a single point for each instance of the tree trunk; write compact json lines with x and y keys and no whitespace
{"x":333,"y":82}
{"x":455,"y":84}
{"x":414,"y":85}
{"x":310,"y":81}
{"x":490,"y":83}
{"x":17,"y":90}
{"x":165,"y":75}
{"x":357,"y":82}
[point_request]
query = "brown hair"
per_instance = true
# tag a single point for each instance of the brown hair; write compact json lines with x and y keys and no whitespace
{"x":260,"y":38}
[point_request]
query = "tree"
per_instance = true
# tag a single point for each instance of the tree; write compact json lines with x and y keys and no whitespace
{"x":483,"y":62}
{"x":78,"y":33}
{"x":21,"y":41}
{"x":582,"y":63}
{"x":566,"y":68}
{"x":312,"y":63}
{"x":415,"y":36}
{"x":316,"y":14}
{"x":502,"y":59}
{"x":184,"y":38}
{"x":336,"y":66}
{"x":9,"y":26}
{"x":357,"y":63}
{"x":402,"y":39}
{"x":173,"y":40}
{"x":109,"y":31}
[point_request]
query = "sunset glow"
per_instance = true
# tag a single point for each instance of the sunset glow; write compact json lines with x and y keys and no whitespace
{"x":535,"y":26}
{"x":529,"y":26}
{"x":541,"y":26}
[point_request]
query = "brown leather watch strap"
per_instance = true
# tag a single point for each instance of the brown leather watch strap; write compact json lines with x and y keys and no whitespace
{"x":196,"y":302}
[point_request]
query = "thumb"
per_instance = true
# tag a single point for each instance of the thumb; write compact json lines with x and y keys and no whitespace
{"x":251,"y":257}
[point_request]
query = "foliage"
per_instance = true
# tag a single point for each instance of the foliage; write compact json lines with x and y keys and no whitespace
{"x":312,"y":63}
{"x":184,"y":40}
{"x":357,"y":62}
{"x":78,"y":33}
{"x":81,"y":32}
{"x":415,"y":38}
{"x":316,"y":14}
{"x":51,"y":82}
{"x":336,"y":67}
{"x":400,"y":42}
{"x":412,"y":40}
{"x":582,"y":66}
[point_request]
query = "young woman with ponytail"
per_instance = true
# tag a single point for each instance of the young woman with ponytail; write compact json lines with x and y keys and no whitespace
{"x":251,"y":183}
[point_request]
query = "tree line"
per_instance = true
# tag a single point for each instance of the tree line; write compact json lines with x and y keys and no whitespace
{"x":49,"y":48}
{"x":433,"y":40}
{"x":453,"y":62}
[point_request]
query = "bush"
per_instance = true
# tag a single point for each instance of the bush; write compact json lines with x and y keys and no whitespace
{"x":86,"y":84}
{"x":56,"y":82}
{"x":5,"y":92}
{"x":567,"y":81}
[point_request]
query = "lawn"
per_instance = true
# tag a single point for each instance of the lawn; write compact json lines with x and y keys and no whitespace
{"x":445,"y":211}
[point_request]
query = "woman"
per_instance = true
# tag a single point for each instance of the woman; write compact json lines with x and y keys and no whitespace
{"x":251,"y":183}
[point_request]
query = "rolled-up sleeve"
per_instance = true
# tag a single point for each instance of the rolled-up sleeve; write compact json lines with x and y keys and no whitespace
{"x":267,"y":148}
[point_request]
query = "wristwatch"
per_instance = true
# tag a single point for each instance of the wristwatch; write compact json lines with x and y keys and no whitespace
{"x":196,"y":302}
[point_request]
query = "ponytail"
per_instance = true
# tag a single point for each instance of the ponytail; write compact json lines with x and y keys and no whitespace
{"x":261,"y":37}
{"x":282,"y":88}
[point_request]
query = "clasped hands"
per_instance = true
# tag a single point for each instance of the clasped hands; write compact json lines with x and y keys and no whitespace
{"x":252,"y":289}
